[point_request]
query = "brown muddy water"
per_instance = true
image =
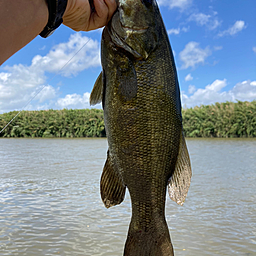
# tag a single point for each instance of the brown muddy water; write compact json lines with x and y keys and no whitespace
{"x":50,"y":202}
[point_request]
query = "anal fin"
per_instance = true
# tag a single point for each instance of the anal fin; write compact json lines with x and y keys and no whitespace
{"x":112,"y":188}
{"x":179,"y":183}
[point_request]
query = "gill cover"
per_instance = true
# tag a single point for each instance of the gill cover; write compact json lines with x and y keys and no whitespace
{"x":133,"y":27}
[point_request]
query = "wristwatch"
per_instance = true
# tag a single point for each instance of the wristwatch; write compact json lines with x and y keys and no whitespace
{"x":56,"y":10}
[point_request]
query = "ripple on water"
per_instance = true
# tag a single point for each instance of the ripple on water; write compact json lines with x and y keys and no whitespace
{"x":50,"y":202}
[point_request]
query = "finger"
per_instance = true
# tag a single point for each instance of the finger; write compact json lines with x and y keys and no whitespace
{"x":111,"y":8}
{"x":103,"y":12}
{"x":77,"y":15}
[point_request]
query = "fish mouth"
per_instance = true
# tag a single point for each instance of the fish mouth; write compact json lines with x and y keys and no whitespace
{"x":120,"y":41}
{"x":120,"y":35}
{"x":125,"y":30}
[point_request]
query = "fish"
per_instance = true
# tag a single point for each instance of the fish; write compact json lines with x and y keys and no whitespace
{"x":147,"y":153}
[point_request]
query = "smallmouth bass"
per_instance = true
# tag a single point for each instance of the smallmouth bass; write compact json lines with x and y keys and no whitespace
{"x":140,"y":94}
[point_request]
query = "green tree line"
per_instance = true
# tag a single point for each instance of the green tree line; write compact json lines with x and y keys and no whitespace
{"x":54,"y":123}
{"x":221,"y":120}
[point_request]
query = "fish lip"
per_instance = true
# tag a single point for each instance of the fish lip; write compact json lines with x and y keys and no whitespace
{"x":121,"y":32}
{"x":117,"y":19}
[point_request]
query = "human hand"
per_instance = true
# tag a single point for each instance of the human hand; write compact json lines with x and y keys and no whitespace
{"x":80,"y":17}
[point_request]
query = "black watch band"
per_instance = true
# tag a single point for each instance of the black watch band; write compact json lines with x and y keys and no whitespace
{"x":56,"y":10}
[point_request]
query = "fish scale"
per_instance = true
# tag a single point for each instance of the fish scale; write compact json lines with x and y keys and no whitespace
{"x":142,"y":112}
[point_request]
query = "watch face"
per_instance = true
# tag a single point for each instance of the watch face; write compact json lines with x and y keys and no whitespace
{"x":50,"y":33}
{"x":47,"y":33}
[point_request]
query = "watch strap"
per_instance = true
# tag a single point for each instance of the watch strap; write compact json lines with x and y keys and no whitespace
{"x":56,"y":10}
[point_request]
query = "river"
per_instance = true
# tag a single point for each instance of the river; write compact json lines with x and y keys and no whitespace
{"x":50,"y":202}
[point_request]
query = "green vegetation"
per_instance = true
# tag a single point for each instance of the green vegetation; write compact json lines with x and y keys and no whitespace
{"x":222,"y":120}
{"x":54,"y":123}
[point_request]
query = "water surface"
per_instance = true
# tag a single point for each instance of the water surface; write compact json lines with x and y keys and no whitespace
{"x":50,"y":202}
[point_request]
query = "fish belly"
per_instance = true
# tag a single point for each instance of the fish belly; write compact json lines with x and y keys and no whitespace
{"x":143,"y":135}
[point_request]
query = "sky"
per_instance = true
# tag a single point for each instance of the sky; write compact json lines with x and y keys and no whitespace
{"x":214,"y":45}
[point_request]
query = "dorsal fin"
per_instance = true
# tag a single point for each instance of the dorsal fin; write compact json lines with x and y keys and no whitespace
{"x":97,"y":91}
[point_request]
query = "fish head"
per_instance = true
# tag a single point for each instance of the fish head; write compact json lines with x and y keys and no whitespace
{"x":134,"y":27}
{"x":135,"y":14}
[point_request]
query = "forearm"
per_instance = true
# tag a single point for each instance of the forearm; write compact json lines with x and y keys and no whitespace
{"x":21,"y":21}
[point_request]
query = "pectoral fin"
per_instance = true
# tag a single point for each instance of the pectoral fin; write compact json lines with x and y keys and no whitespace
{"x":178,"y":184}
{"x":111,"y":185}
{"x":97,"y":91}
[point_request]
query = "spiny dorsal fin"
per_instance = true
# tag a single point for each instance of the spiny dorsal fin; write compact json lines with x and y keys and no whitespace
{"x":178,"y":184}
{"x":97,"y":91}
{"x":112,"y":188}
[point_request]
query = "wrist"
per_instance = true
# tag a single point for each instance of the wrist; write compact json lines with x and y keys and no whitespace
{"x":56,"y":9}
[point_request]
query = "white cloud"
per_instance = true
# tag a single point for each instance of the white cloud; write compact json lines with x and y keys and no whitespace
{"x":83,"y":51}
{"x":4,"y":76}
{"x":200,"y":18}
{"x":254,"y":49}
{"x":244,"y":91}
{"x":20,"y":82}
{"x":193,"y":55}
{"x":174,"y":31}
{"x":237,"y":27}
{"x":42,"y":48}
{"x":18,"y":85}
{"x":191,"y":89}
{"x":211,"y":21}
{"x":182,"y":4}
{"x":75,"y":101}
{"x":185,"y":29}
{"x":188,"y":78}
{"x":214,"y":24}
{"x":47,"y":93}
{"x":218,"y":48}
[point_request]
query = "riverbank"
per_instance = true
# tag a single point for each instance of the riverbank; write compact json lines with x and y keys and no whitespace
{"x":221,"y":120}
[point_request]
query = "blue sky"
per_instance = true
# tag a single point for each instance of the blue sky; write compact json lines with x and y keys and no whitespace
{"x":214,"y":44}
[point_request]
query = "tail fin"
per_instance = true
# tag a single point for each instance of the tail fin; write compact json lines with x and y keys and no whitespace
{"x":151,"y":242}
